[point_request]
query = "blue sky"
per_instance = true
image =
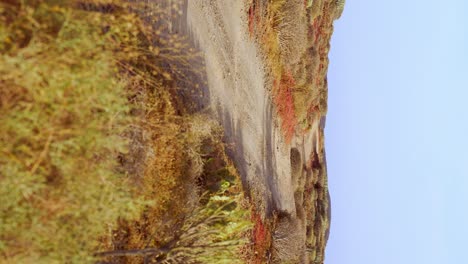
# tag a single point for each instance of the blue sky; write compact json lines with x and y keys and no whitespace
{"x":397,"y":133}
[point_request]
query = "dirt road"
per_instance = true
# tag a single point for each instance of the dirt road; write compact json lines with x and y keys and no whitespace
{"x":275,"y":172}
{"x":236,"y":81}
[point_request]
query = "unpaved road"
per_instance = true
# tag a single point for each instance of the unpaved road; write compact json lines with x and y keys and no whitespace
{"x":237,"y":90}
{"x":284,"y":179}
{"x":273,"y":171}
{"x":239,"y":98}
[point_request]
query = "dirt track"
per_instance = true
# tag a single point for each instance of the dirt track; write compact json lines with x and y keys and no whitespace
{"x":237,"y":92}
{"x":238,"y":96}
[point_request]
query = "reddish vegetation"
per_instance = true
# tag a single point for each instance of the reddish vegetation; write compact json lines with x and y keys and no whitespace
{"x":316,"y":25}
{"x":261,"y":239}
{"x":259,"y":231}
{"x":305,"y":82}
{"x":285,"y":104}
{"x":283,"y":88}
{"x":254,"y":18}
{"x":251,"y":19}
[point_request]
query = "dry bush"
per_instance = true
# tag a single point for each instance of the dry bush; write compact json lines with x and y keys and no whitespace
{"x":183,"y":227}
{"x":170,"y":146}
{"x":209,"y":234}
{"x":281,"y":28}
{"x":63,"y":113}
{"x":292,"y":31}
{"x":295,"y":36}
{"x":298,"y":71}
{"x":288,"y":242}
{"x":316,"y":8}
{"x":91,"y":119}
{"x":264,"y":20}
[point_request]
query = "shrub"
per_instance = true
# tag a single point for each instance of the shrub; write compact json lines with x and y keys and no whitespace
{"x":210,"y":234}
{"x":97,"y":152}
{"x":182,"y":226}
{"x":62,"y":115}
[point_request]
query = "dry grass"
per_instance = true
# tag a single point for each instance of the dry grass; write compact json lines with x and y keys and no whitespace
{"x":285,"y":105}
{"x":295,"y":37}
{"x":90,"y":106}
{"x":292,"y":32}
{"x":288,"y":241}
{"x":172,"y":149}
{"x":282,"y":34}
{"x":186,"y":157}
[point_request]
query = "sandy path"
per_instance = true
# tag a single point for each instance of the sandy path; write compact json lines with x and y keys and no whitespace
{"x":271,"y":169}
{"x":238,"y":96}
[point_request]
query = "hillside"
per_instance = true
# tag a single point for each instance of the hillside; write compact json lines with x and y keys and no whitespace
{"x":266,"y":64}
{"x":164,"y":132}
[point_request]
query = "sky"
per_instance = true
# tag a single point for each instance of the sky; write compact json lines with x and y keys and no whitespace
{"x":397,"y":133}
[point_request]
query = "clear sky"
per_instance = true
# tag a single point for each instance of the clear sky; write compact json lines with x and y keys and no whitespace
{"x":397,"y":133}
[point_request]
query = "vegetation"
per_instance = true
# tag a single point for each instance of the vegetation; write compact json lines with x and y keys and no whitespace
{"x":261,"y":238}
{"x":62,"y":116}
{"x":297,"y":60}
{"x":98,"y":153}
{"x":285,"y":105}
{"x":295,"y":37}
{"x":180,"y":166}
{"x":210,"y":234}
{"x":340,"y":4}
